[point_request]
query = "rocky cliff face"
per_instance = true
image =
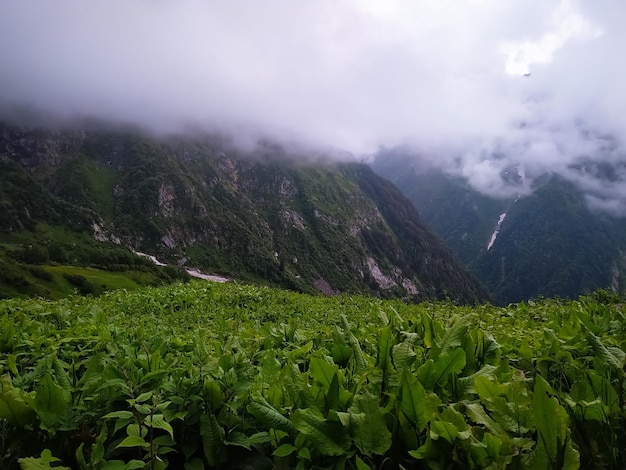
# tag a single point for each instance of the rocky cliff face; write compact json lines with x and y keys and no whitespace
{"x":256,"y":215}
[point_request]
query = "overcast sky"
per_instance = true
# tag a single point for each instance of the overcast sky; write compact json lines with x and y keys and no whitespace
{"x":446,"y":76}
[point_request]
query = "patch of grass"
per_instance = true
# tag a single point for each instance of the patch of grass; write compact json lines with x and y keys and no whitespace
{"x":105,"y":279}
{"x":102,"y":180}
{"x":56,"y":282}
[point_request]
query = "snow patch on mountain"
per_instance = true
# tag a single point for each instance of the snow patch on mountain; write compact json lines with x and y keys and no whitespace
{"x":150,"y":257}
{"x":494,"y":235}
{"x":193,"y":272}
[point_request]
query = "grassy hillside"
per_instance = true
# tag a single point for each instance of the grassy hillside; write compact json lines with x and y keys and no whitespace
{"x":262,"y":215}
{"x":229,"y":376}
{"x":53,"y":261}
{"x":463,"y":216}
{"x":552,"y":244}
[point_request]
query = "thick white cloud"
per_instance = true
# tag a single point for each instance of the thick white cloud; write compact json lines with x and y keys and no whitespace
{"x":441,"y":75}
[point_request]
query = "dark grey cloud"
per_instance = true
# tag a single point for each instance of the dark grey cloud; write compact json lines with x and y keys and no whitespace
{"x":441,"y":75}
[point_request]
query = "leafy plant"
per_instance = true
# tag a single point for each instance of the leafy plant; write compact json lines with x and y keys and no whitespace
{"x":229,"y":376}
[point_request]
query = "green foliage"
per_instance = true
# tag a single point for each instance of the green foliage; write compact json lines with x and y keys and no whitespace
{"x":36,"y":264}
{"x":42,"y":462}
{"x":229,"y":376}
{"x":550,"y":243}
{"x":554,"y":448}
{"x":255,"y":216}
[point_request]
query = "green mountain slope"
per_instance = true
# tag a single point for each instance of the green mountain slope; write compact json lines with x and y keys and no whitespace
{"x":548,"y":244}
{"x":551,"y":244}
{"x":257,"y":215}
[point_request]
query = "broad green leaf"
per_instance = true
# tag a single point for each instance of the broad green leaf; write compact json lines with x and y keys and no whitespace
{"x":612,"y":356}
{"x":332,"y":396}
{"x":212,"y":438}
{"x":403,"y":354}
{"x":134,"y":429}
{"x":554,"y":448}
{"x":509,"y":404}
{"x":548,"y":418}
{"x":452,"y":416}
{"x":143,"y":409}
{"x":116,"y":384}
{"x":47,"y":457}
{"x":477,"y":414}
{"x":51,"y":402}
{"x":359,"y":360}
{"x":270,"y":365}
{"x":16,"y":406}
{"x":322,"y":371}
{"x":603,"y":390}
{"x":526,"y":351}
{"x":493,"y":445}
{"x":134,"y":464}
{"x":12,"y":364}
{"x":133,"y":441}
{"x":341,"y":353}
{"x":144,"y":397}
{"x":384,"y":347}
{"x":443,"y":429}
{"x":124,"y":423}
{"x":467,"y":385}
{"x":430,"y":334}
{"x":413,"y":403}
{"x":41,"y":463}
{"x":515,"y":417}
{"x":328,"y":437}
{"x":429,"y":451}
{"x":163,"y":440}
{"x":433,"y":373}
{"x":268,"y":415}
{"x":60,"y":375}
{"x":154,"y":375}
{"x":214,"y":395}
{"x":295,"y":386}
{"x":119,"y":415}
{"x":284,"y":450}
{"x":162,"y":406}
{"x":590,"y":411}
{"x":485,"y":347}
{"x":79,"y":455}
{"x":240,"y":439}
{"x":97,"y":448}
{"x":368,"y":426}
{"x":487,"y":388}
{"x":360,"y":465}
{"x":304,"y":453}
{"x":157,"y":421}
{"x":451,"y":340}
{"x":301,"y":351}
{"x":342,"y":417}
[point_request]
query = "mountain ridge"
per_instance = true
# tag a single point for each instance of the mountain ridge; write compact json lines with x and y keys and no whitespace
{"x":550,"y":243}
{"x":256,"y":215}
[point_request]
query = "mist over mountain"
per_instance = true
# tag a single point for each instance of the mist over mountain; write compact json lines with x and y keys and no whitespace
{"x":548,"y":242}
{"x":90,"y":197}
{"x":475,"y":87}
{"x":495,"y":95}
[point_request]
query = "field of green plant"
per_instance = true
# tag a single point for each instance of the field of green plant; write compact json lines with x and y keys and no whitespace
{"x":229,"y":376}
